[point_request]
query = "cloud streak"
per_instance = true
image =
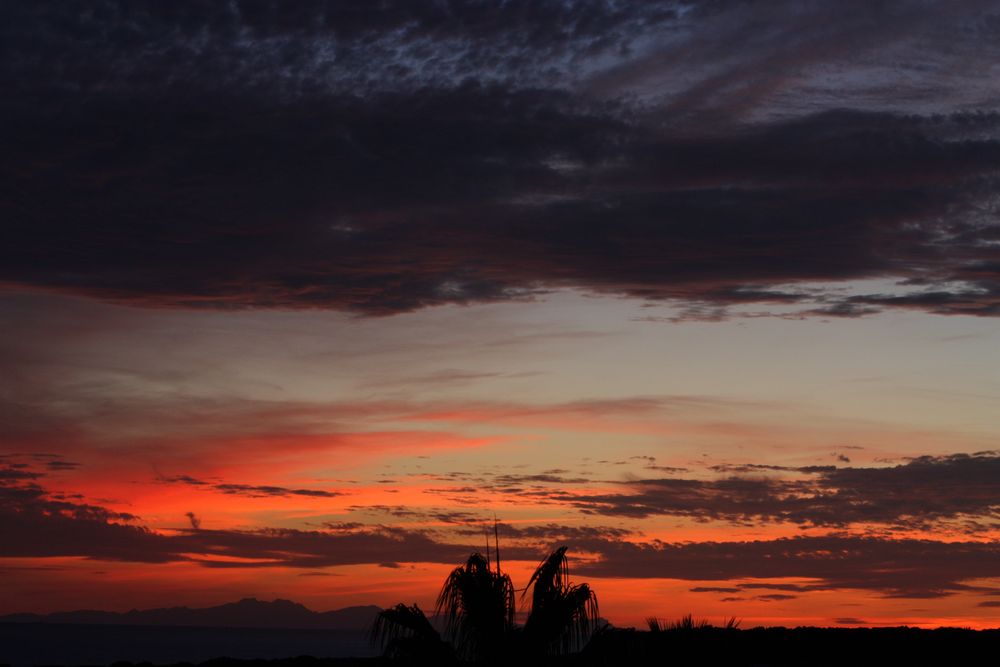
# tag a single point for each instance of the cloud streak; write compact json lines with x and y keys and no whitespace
{"x":251,"y":490}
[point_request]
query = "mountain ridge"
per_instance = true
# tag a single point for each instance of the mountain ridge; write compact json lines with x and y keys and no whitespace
{"x":246,"y":613}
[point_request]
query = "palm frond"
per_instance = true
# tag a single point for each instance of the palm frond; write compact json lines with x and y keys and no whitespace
{"x":402,"y":623}
{"x":548,"y":577}
{"x":563,"y":616}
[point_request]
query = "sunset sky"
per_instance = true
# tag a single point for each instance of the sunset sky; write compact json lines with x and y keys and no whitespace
{"x":296,"y":298}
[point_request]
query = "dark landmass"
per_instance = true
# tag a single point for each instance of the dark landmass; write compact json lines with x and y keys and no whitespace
{"x":24,"y":644}
{"x":54,"y":644}
{"x":773,"y":647}
{"x":247,"y":613}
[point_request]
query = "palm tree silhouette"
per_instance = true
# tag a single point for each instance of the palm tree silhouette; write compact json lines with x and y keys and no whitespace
{"x":563,"y":615}
{"x":477,"y":605}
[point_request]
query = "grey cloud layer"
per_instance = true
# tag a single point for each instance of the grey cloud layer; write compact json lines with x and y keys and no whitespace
{"x":895,"y":568}
{"x":183,"y":156}
{"x":320,"y":45}
{"x":913,"y":495}
{"x":704,"y":55}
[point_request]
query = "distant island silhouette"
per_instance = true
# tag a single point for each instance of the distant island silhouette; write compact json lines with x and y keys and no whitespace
{"x":246,"y":613}
{"x":282,"y":633}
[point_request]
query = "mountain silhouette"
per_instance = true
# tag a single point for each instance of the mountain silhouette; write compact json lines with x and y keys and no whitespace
{"x":247,"y":613}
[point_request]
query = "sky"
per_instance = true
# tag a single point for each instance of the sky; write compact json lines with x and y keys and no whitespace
{"x":299,"y":299}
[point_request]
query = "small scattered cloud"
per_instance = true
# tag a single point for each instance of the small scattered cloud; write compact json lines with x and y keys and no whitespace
{"x":261,"y":491}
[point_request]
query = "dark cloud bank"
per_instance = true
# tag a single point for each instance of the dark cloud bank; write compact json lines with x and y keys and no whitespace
{"x":377,"y":161}
{"x":915,"y":495}
{"x":956,"y":492}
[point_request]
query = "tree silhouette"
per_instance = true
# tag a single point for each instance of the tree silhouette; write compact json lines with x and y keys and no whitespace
{"x":477,"y":605}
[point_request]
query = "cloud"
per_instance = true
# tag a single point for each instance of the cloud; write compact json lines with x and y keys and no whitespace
{"x":513,"y":479}
{"x":183,"y":479}
{"x":904,"y":568}
{"x":447,"y":377}
{"x":440,"y":515}
{"x":923,"y":491}
{"x":249,"y":490}
{"x":551,"y":533}
{"x":36,"y":525}
{"x":185,"y":430}
{"x":743,"y":587}
{"x":9,"y":473}
{"x":461,"y":164}
{"x":776,"y":587}
{"x":775,"y":597}
{"x":317,"y":45}
{"x":475,"y":524}
{"x":39,"y":525}
{"x":258,"y":491}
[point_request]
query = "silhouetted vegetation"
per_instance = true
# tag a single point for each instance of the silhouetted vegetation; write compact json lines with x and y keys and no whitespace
{"x":686,"y":623}
{"x":407,"y":633}
{"x":477,"y":607}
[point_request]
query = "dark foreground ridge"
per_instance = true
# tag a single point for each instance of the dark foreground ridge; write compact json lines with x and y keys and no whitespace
{"x":791,"y":646}
{"x":757,"y":647}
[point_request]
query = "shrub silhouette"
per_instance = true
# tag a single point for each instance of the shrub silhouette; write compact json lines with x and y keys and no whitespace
{"x":477,"y":605}
{"x":687,"y":623}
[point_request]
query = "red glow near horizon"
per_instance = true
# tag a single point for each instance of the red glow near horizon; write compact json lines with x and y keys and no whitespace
{"x":333,"y":495}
